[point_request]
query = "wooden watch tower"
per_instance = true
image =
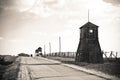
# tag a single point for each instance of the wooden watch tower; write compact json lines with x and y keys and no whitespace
{"x":89,"y":49}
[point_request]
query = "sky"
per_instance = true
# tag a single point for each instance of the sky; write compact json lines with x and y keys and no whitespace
{"x":26,"y":25}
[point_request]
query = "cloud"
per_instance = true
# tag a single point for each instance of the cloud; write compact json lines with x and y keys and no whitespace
{"x":114,"y":2}
{"x":15,"y":4}
{"x":1,"y":38}
{"x":7,"y":3}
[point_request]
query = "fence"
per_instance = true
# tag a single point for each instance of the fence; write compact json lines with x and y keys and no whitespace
{"x":62,"y":54}
{"x":111,"y":56}
{"x":108,"y":56}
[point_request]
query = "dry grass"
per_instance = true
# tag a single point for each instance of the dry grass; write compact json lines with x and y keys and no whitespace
{"x":11,"y":72}
{"x":2,"y":70}
{"x":9,"y":68}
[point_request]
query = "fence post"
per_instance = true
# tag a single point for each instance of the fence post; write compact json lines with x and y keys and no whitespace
{"x":116,"y":54}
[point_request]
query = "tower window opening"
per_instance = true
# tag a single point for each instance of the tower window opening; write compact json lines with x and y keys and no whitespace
{"x":91,"y":31}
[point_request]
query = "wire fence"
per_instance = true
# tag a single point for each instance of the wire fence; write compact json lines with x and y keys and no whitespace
{"x":62,"y":54}
{"x":108,"y":56}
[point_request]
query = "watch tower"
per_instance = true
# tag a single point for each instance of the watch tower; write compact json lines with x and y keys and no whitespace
{"x":89,"y":49}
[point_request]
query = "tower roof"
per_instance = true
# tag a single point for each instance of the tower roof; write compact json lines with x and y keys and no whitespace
{"x":88,"y":24}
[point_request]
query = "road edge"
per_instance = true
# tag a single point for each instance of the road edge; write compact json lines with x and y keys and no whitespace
{"x":89,"y":71}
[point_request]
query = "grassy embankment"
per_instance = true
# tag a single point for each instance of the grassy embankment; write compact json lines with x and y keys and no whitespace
{"x":8,"y":67}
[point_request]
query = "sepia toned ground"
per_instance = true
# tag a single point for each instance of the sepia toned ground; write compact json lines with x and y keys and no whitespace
{"x":39,"y":68}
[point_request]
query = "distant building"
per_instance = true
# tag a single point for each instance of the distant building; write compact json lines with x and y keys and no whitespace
{"x":23,"y":54}
{"x":89,"y":49}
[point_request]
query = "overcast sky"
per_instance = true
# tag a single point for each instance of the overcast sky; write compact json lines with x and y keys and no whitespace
{"x":27,"y":24}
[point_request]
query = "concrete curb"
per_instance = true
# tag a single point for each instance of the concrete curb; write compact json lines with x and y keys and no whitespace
{"x":23,"y":74}
{"x":92,"y":72}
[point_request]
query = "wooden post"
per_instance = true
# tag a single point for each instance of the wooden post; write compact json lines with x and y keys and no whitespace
{"x":116,"y":54}
{"x":44,"y":51}
{"x":49,"y":47}
{"x":59,"y":45}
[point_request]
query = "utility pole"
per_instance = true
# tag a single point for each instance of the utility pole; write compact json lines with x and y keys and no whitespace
{"x":88,"y":15}
{"x":44,"y":50}
{"x":49,"y":47}
{"x":59,"y":44}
